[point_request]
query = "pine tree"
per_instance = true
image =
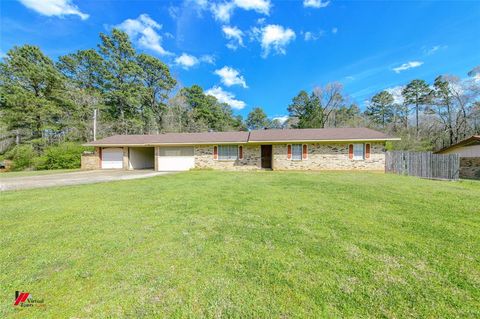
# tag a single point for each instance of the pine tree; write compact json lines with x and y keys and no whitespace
{"x":31,"y":88}
{"x":380,"y":109}
{"x":416,"y":93}
{"x":257,"y":119}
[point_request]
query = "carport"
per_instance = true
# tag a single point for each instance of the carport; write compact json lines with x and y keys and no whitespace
{"x":141,"y":158}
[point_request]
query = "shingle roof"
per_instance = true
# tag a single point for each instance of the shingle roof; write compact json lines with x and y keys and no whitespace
{"x":174,"y":138}
{"x":323,"y":134}
{"x":474,"y":139}
{"x":274,"y":135}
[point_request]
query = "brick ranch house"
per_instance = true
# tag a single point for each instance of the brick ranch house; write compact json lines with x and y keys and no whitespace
{"x":297,"y":149}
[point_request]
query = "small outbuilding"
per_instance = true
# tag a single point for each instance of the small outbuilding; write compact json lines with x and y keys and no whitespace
{"x":469,"y":152}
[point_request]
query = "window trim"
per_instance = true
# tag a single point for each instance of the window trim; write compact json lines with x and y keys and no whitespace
{"x":357,"y":158}
{"x":305,"y":152}
{"x":293,"y":152}
{"x":368,"y":150}
{"x":219,"y":157}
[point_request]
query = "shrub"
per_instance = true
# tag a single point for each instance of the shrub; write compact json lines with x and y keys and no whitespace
{"x":22,"y":157}
{"x":61,"y":156}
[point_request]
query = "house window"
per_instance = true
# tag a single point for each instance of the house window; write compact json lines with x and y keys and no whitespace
{"x":227,"y":152}
{"x":358,"y":151}
{"x":297,"y":152}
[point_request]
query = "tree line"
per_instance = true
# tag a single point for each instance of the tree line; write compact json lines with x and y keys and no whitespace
{"x":426,"y":116}
{"x":45,"y":102}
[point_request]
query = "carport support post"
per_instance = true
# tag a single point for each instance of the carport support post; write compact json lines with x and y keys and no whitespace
{"x":125,"y":158}
{"x":98,"y":153}
{"x":155,"y":158}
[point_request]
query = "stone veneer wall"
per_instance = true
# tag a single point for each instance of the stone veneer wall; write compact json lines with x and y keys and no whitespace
{"x":470,"y":167}
{"x":251,"y":159}
{"x":90,"y":161}
{"x":329,"y":157}
{"x":320,"y":157}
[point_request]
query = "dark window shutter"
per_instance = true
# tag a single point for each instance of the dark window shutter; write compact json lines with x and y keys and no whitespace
{"x":240,"y":152}
{"x":289,"y":151}
{"x":305,"y":151}
{"x":367,"y":150}
{"x":215,"y":152}
{"x":350,"y":151}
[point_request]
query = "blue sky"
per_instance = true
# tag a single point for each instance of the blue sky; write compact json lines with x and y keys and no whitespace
{"x":262,"y":53}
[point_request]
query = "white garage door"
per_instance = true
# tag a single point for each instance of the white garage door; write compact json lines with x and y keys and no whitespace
{"x":112,"y":158}
{"x":176,"y":158}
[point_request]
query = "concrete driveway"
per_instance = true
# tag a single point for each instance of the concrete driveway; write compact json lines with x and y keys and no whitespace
{"x":73,"y":178}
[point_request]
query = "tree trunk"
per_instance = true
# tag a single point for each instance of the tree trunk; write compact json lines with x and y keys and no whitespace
{"x":416,"y":116}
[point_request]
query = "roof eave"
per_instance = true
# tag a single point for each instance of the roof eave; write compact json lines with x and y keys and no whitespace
{"x":329,"y":141}
{"x":459,"y":144}
{"x":242,"y":142}
{"x":159,"y":144}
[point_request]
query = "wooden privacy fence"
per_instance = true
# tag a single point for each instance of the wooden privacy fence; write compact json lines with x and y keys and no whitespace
{"x":423,"y":164}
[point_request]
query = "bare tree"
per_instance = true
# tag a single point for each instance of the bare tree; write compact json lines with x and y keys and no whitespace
{"x":454,"y":100}
{"x":330,"y":98}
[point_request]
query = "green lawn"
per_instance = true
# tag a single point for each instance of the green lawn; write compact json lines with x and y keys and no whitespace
{"x":244,"y":245}
{"x":36,"y":173}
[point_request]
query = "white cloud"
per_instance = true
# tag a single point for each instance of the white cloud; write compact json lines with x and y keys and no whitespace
{"x":315,"y":3}
{"x":229,"y":76}
{"x":281,"y":119}
{"x":313,"y":36}
{"x":274,"y":37}
{"x":261,"y":20}
{"x":173,"y":12}
{"x":260,"y":6}
{"x":235,"y":35}
{"x":334,"y":30}
{"x":476,"y":78}
{"x":142,"y":30}
{"x":433,"y":50}
{"x":210,"y":59}
{"x":408,"y":65}
{"x":186,"y":61}
{"x":54,"y":8}
{"x":225,"y":97}
{"x":474,"y":74}
{"x":396,"y":92}
{"x":200,"y":3}
{"x":223,"y":11}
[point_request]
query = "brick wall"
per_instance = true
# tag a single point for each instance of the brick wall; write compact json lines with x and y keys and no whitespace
{"x":251,"y":159}
{"x":329,"y":157}
{"x":91,"y":161}
{"x":320,"y":157}
{"x":470,"y":167}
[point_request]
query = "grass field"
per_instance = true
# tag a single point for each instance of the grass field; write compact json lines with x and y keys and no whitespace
{"x":244,"y":245}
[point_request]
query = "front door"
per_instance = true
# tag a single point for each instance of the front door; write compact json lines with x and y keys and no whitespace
{"x":266,"y":156}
